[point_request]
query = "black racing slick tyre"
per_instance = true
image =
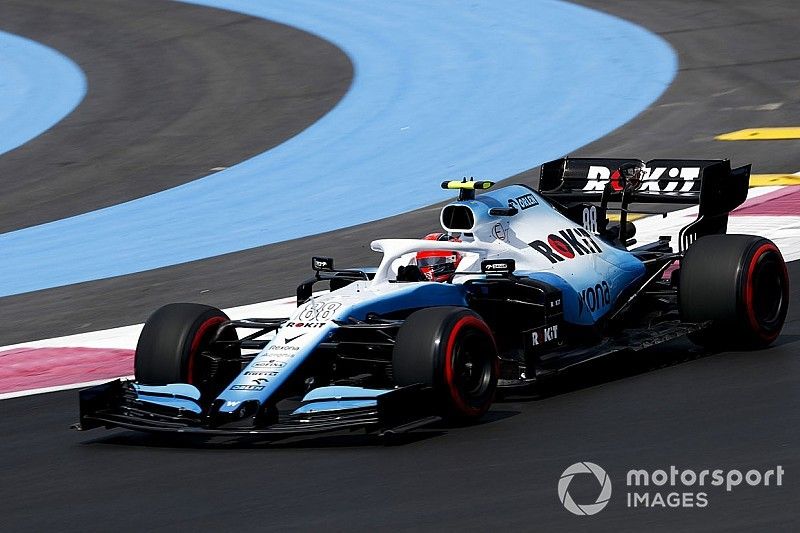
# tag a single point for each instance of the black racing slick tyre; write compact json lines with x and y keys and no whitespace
{"x":173,"y":343}
{"x":740,"y":284}
{"x":452,"y":350}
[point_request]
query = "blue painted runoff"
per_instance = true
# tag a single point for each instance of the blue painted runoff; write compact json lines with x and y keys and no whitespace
{"x":38,"y":87}
{"x":442,"y":89}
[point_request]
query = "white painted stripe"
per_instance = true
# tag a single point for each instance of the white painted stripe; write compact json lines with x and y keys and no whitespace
{"x":31,"y":392}
{"x":784,"y":230}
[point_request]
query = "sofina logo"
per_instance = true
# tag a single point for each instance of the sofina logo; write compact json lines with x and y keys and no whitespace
{"x":589,"y":508}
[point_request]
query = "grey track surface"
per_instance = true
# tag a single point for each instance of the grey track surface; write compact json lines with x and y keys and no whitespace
{"x":734,"y":57}
{"x":174,"y":90}
{"x":674,"y":407}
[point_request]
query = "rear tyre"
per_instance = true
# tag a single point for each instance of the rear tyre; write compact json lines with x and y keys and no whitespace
{"x":172,"y":344}
{"x":740,"y":284}
{"x":452,"y":350}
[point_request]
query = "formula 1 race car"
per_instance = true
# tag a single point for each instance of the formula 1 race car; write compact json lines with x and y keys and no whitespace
{"x":521,"y":284}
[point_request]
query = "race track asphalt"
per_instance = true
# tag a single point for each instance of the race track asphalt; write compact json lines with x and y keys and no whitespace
{"x":674,"y":406}
{"x":171,"y":96}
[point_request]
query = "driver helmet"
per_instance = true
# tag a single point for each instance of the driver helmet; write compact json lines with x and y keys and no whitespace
{"x":438,"y":265}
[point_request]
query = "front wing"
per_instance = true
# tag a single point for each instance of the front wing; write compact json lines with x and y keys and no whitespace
{"x":114,"y":404}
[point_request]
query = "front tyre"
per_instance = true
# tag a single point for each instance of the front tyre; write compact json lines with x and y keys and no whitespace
{"x":452,"y":350}
{"x":740,"y":284}
{"x":174,"y":347}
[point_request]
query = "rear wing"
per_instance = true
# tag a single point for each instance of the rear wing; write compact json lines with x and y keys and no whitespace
{"x":711,"y":183}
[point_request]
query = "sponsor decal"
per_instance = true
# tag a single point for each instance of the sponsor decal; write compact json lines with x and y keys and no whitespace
{"x":304,"y":325}
{"x":260,"y":373}
{"x":280,"y":355}
{"x":560,"y":245}
{"x":659,"y":179}
{"x":615,"y":181}
{"x":594,"y":298}
{"x":272,"y":363}
{"x":566,"y":244}
{"x":544,"y":335}
{"x":248,"y":387}
{"x":312,"y":315}
{"x":282,"y":348}
{"x":499,"y":232}
{"x":526,"y":201}
{"x":498,"y":265}
{"x":290,"y":338}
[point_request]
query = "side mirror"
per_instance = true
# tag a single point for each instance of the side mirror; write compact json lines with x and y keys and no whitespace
{"x":322,"y":263}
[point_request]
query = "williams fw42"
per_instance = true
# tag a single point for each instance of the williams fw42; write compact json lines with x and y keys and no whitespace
{"x":520,"y":284}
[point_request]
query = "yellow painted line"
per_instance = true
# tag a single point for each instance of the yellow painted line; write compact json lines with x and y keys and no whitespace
{"x":614,"y":217}
{"x":765,"y":180}
{"x":761,"y":134}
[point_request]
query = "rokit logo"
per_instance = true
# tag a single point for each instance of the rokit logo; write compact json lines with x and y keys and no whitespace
{"x":659,"y":179}
{"x":304,"y":325}
{"x":594,"y":298}
{"x":544,"y":335}
{"x":566,"y":245}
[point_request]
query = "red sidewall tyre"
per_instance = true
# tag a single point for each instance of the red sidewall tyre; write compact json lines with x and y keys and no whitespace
{"x":171,"y":342}
{"x":452,"y":350}
{"x":764,"y":319}
{"x":738,"y":283}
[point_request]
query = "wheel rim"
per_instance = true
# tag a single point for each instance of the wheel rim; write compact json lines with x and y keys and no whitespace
{"x":768,"y":290}
{"x":472,"y":365}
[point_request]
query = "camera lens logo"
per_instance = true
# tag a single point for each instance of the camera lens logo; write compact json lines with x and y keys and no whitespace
{"x":590,"y":508}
